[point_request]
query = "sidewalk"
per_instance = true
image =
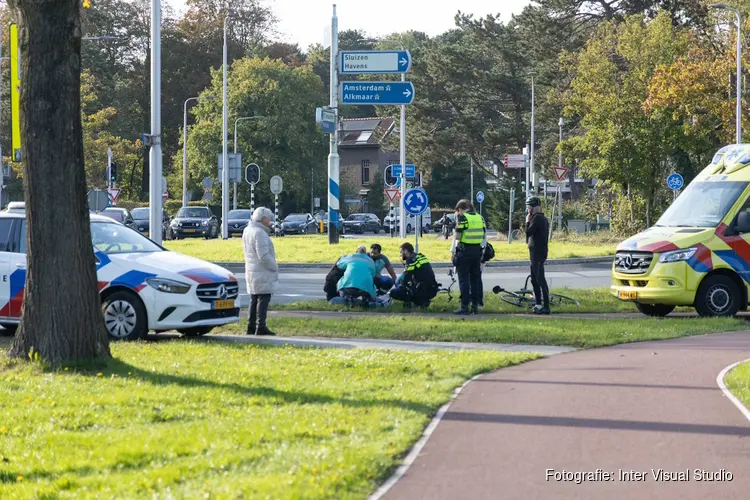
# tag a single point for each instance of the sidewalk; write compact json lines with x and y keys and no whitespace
{"x":634,"y":407}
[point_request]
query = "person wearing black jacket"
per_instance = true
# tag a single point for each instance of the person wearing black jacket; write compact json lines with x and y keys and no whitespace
{"x":417,"y":285}
{"x":537,"y":230}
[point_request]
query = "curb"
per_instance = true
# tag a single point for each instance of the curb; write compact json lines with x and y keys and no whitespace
{"x":240,"y":266}
{"x":728,"y":394}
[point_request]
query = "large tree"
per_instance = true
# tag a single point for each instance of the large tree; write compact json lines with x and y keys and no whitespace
{"x":61,"y":319}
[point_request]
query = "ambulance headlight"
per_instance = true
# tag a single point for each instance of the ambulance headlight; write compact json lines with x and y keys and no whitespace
{"x":168,"y":286}
{"x":677,"y":255}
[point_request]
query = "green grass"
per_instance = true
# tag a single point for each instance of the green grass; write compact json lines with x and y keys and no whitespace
{"x":581,"y":333}
{"x":592,"y":300}
{"x":315,"y":249}
{"x":738,"y":381}
{"x":211,"y":420}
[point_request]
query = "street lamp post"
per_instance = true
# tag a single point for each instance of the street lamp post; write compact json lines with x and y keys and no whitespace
{"x":155,"y":182}
{"x":234,"y":140}
{"x":531,"y":152}
{"x":224,"y":127}
{"x":738,"y":117}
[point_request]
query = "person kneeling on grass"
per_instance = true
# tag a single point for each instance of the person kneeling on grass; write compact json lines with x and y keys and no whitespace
{"x":382,"y":283}
{"x":418,"y":284}
{"x":358,"y":281}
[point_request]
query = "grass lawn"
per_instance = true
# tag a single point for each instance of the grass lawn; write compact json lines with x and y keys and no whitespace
{"x":592,"y":300}
{"x":581,"y":333}
{"x":315,"y":249}
{"x":179,"y":419}
{"x":738,"y":381}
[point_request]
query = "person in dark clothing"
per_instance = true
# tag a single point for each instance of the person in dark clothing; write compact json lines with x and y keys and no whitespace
{"x":418,"y":284}
{"x":332,"y":280}
{"x":537,"y":229}
{"x":468,"y":249}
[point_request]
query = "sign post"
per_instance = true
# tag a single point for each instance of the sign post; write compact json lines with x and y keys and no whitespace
{"x":511,"y":203}
{"x":675,"y":183}
{"x":480,"y":200}
{"x":560,"y":173}
{"x":415,"y":203}
{"x":277,"y":186}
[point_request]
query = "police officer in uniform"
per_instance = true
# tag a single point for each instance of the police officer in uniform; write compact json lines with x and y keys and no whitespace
{"x":469,"y":241}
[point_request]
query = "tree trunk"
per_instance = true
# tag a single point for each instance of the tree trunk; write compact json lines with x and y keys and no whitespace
{"x":61,"y":319}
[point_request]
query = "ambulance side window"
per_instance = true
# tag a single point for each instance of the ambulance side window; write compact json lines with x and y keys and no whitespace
{"x":742,"y":221}
{"x":5,"y":225}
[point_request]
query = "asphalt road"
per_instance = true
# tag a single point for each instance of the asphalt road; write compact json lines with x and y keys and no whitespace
{"x":307,"y":284}
{"x":628,"y":411}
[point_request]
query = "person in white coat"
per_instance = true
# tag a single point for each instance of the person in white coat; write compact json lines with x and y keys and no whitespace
{"x":261,"y":269}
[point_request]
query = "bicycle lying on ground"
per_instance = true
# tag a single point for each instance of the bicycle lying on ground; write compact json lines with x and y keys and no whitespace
{"x":525,"y":296}
{"x":441,"y":289}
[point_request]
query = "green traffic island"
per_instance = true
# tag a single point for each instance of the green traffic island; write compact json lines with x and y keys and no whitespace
{"x":542,"y":331}
{"x":193,"y":419}
{"x":737,"y":381}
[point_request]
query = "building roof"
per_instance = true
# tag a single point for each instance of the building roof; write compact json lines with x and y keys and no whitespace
{"x":365,"y":131}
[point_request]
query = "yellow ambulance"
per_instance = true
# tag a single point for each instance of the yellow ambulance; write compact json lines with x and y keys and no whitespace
{"x":698,"y":252}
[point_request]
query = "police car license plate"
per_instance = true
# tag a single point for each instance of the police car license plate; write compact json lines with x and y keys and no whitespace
{"x":223,"y":304}
{"x":627,"y":295}
{"x":189,"y":230}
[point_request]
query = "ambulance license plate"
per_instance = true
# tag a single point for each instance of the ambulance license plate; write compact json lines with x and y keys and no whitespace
{"x":223,"y":304}
{"x":627,"y":295}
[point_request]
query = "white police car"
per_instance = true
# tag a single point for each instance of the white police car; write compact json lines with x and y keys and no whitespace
{"x":143,"y":286}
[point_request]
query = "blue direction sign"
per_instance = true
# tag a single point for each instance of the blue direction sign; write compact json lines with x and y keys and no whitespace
{"x":415,"y":201}
{"x":411,"y":171}
{"x":381,"y":61}
{"x":480,"y":197}
{"x":382,"y":93}
{"x":675,"y":182}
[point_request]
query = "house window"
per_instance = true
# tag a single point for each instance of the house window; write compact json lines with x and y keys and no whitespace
{"x":365,"y":171}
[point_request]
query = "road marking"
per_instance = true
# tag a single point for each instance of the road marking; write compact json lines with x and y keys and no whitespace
{"x":720,"y":382}
{"x":417,"y":449}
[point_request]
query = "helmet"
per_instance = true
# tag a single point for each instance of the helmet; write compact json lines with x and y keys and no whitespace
{"x":533,"y":201}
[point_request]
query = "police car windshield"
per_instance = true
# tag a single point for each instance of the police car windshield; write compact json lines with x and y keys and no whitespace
{"x":112,"y":238}
{"x":196,"y":213}
{"x":703,"y":204}
{"x":140,"y":213}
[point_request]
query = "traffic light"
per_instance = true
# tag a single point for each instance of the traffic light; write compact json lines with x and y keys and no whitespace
{"x":113,"y":171}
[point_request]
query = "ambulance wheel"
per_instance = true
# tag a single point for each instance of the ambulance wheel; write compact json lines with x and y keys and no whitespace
{"x":125,"y":316}
{"x":657,"y":310}
{"x":9,"y":329}
{"x":717,"y":296}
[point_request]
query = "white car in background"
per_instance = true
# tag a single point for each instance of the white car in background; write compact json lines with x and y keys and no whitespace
{"x":143,"y":286}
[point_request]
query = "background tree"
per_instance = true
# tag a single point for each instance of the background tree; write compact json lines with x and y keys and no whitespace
{"x":60,"y":327}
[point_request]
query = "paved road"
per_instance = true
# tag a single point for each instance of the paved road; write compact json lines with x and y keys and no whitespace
{"x":307,"y":284}
{"x":652,"y":405}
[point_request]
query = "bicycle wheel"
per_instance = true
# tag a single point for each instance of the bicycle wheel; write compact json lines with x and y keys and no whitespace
{"x":518,"y":299}
{"x":562,"y":300}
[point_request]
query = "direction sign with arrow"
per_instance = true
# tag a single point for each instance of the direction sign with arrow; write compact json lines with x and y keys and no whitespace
{"x":381,"y":61}
{"x":415,"y":201}
{"x":561,"y":173}
{"x":411,"y":171}
{"x":392,"y":194}
{"x":381,"y":93}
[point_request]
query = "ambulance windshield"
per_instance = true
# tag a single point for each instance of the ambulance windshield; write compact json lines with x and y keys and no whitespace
{"x":703,"y":204}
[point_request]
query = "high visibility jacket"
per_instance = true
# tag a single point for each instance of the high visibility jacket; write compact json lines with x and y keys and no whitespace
{"x":420,"y":275}
{"x":472,"y":229}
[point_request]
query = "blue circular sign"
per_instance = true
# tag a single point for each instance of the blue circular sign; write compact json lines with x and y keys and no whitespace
{"x":480,"y":197}
{"x":675,"y":182}
{"x":415,"y":201}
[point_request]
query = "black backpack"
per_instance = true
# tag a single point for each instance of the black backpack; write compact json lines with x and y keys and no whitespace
{"x":489,"y":253}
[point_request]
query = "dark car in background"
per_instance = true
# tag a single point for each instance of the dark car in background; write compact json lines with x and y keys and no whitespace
{"x":339,"y":225}
{"x":237,"y":220}
{"x":298,"y":224}
{"x":195,"y":221}
{"x":142,"y":215}
{"x":121,"y":215}
{"x":362,"y":223}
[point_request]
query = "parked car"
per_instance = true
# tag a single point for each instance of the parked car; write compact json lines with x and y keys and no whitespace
{"x":339,"y":225}
{"x":121,"y":215}
{"x":237,"y":221}
{"x":142,"y":286}
{"x":195,"y":221}
{"x":298,"y":224}
{"x":412,"y":221}
{"x":142,"y":215}
{"x":362,"y":223}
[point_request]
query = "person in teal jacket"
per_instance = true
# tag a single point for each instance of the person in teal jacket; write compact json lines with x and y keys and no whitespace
{"x":359,"y":274}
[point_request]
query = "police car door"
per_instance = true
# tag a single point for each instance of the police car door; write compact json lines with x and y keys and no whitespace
{"x":17,"y":247}
{"x":5,"y":265}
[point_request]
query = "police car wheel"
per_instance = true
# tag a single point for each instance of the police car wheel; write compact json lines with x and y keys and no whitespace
{"x":717,"y":296}
{"x":9,"y":329}
{"x":197,"y":331}
{"x":125,"y":316}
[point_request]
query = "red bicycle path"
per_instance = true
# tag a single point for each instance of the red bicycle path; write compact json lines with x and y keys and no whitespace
{"x":650,"y":405}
